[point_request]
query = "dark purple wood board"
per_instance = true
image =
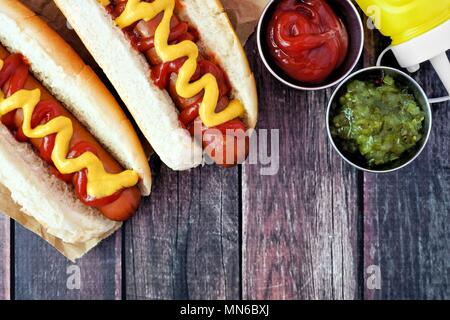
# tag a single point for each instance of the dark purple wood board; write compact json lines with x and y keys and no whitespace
{"x":5,"y":258}
{"x":184,"y":242}
{"x":407,"y":214}
{"x":315,"y":230}
{"x":300,"y":226}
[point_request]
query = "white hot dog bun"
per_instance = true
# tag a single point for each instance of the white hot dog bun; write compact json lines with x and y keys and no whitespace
{"x":129,"y":72}
{"x":40,"y":194}
{"x":45,"y":197}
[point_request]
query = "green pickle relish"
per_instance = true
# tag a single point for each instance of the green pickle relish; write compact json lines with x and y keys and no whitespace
{"x":381,"y":121}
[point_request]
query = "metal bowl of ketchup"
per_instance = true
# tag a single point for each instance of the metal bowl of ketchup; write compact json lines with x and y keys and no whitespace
{"x":310,"y":44}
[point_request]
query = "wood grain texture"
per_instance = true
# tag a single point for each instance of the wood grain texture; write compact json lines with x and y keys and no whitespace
{"x":300,"y":226}
{"x":184,"y":241}
{"x":407,"y":213}
{"x":43,"y":273}
{"x":5,"y":258}
{"x":303,"y":235}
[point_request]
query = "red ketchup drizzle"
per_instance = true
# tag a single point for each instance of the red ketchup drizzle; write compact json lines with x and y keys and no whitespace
{"x":116,"y":7}
{"x":13,"y":77}
{"x":43,"y":113}
{"x":161,"y":77}
{"x":307,"y":40}
{"x":161,"y":73}
{"x":80,"y":179}
{"x":177,"y":34}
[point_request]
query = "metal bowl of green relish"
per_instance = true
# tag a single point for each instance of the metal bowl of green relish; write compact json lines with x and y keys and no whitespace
{"x":379,"y":119}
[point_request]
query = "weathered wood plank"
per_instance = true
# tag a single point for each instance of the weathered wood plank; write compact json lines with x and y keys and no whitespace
{"x":5,"y":258}
{"x":407,"y":235}
{"x":43,"y":273}
{"x":300,"y":226}
{"x":184,"y":241}
{"x":406,"y":214}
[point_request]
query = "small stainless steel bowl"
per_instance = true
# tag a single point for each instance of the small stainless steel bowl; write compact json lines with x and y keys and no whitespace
{"x":352,"y":20}
{"x":403,"y":80}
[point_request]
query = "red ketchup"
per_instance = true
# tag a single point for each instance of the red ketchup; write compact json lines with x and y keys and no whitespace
{"x":80,"y":179}
{"x":307,"y":40}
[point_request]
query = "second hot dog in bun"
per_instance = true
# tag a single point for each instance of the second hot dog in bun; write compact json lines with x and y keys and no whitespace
{"x":179,"y":68}
{"x":70,"y":157}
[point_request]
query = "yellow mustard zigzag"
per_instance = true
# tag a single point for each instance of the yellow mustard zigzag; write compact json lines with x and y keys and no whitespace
{"x":100,"y":183}
{"x":137,"y":10}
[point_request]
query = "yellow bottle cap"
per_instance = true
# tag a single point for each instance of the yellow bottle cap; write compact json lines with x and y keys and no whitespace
{"x":403,"y":20}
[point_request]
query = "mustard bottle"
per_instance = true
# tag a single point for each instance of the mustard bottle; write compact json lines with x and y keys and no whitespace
{"x":419,"y":29}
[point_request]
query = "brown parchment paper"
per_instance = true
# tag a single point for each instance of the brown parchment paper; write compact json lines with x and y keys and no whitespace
{"x":244,"y":15}
{"x":70,"y":251}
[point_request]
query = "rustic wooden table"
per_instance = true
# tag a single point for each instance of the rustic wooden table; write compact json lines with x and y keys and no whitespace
{"x":317,"y":230}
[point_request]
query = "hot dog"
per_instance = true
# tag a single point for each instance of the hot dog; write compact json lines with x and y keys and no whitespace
{"x":119,"y":207}
{"x":184,"y":61}
{"x":65,"y":144}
